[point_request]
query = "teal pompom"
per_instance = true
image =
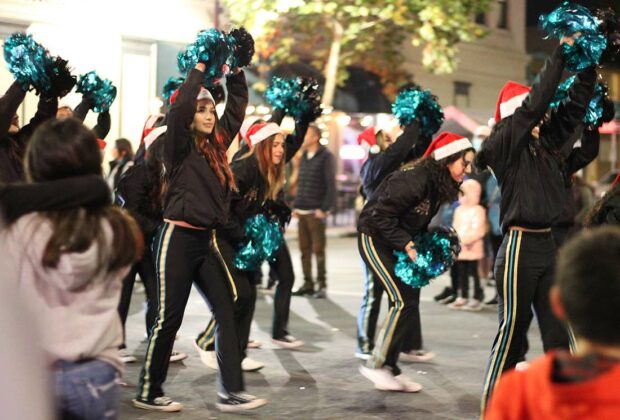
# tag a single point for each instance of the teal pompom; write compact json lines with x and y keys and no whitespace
{"x":436,"y":252}
{"x":298,"y":97}
{"x":101,"y":92}
{"x":32,"y":65}
{"x":412,"y":104}
{"x":212,"y":48}
{"x":597,"y":107}
{"x":265,"y":237}
{"x":171,"y":85}
{"x":568,"y":19}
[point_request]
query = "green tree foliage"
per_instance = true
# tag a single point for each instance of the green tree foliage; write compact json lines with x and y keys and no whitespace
{"x":334,"y":34}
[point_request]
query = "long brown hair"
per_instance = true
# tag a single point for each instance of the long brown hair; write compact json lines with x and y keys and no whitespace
{"x":214,"y":148}
{"x":65,"y":148}
{"x":273,"y":174}
{"x":447,"y":187}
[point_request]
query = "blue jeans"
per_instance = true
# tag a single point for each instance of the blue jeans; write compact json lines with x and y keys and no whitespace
{"x":86,"y":390}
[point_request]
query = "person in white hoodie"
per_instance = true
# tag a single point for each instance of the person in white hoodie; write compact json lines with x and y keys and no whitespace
{"x":69,"y":265}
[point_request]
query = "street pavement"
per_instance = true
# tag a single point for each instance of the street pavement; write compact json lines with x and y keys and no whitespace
{"x":321,"y":381}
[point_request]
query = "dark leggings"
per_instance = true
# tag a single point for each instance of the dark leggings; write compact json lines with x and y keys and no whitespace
{"x":403,"y":301}
{"x":465,"y":270}
{"x":184,"y":257}
{"x":283,"y":267}
{"x":146,"y":270}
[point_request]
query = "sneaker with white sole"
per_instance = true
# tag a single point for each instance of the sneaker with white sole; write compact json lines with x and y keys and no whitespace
{"x":363,"y":355}
{"x":254,"y":344}
{"x":417,"y":356}
{"x":287,"y":342}
{"x":207,"y":358}
{"x":158,"y":404}
{"x":408,"y":384}
{"x":251,"y":365}
{"x":177,"y":356}
{"x":459,"y":303}
{"x":474,"y":305}
{"x":125,"y":356}
{"x":383,"y":379}
{"x":238,"y":401}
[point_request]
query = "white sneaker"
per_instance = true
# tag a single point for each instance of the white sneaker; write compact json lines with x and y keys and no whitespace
{"x":288,"y":342}
{"x":459,"y":303}
{"x":383,"y":379}
{"x":474,"y":305}
{"x":408,"y":384}
{"x":254,"y":344}
{"x":177,"y":356}
{"x":238,"y":401}
{"x":251,"y":365}
{"x":207,"y":358}
{"x":521,"y":366}
{"x":125,"y":356}
{"x":158,"y":404}
{"x":417,"y":356}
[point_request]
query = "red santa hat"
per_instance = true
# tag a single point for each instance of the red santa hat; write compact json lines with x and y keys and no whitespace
{"x":203,"y":94}
{"x":149,"y":124}
{"x":153,"y":135}
{"x":260,"y":132}
{"x":368,"y":139}
{"x":447,"y":144}
{"x":510,"y":98}
{"x":102,"y":144}
{"x":247,"y":123}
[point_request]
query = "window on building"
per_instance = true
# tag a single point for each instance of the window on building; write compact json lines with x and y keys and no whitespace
{"x":502,"y":8}
{"x":461,"y":94}
{"x":481,"y":19}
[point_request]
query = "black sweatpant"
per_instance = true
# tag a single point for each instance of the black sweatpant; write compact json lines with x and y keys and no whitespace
{"x":524,"y":274}
{"x":145,"y":268}
{"x":185,"y":256}
{"x":465,"y":270}
{"x":369,"y":313}
{"x":283,"y":266}
{"x":403,"y":301}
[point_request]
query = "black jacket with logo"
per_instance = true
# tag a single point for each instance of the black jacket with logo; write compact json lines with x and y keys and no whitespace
{"x":252,"y":187}
{"x":401,"y":208}
{"x":530,"y":171}
{"x":195,"y":194}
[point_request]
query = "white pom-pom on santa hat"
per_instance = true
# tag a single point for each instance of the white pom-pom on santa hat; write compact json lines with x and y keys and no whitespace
{"x":261,"y":131}
{"x":446,"y":144}
{"x":367,"y":139}
{"x":510,"y":98}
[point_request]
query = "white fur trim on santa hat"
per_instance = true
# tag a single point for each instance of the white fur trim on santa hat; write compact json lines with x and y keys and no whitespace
{"x":247,"y":123}
{"x":205,"y":94}
{"x":452,"y":148}
{"x":264,"y":133}
{"x":153,"y":135}
{"x":506,"y":109}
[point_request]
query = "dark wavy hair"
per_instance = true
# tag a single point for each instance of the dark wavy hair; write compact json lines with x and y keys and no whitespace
{"x":66,"y":148}
{"x":598,"y":214}
{"x":447,"y":187}
{"x":213,"y":146}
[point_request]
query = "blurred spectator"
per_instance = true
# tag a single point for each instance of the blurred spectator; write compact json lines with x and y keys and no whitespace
{"x":470,"y":223}
{"x":69,"y":266}
{"x":561,"y":385}
{"x":316,"y":192}
{"x":122,"y":155}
